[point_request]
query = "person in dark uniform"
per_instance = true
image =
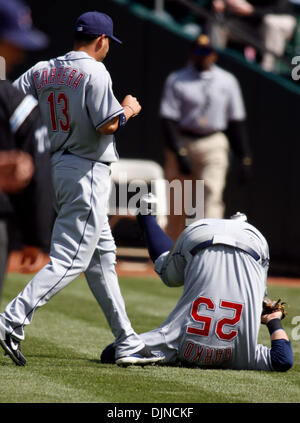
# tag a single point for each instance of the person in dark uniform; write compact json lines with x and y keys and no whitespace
{"x":25,"y":175}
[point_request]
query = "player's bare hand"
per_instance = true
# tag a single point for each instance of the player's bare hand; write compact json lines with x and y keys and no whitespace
{"x":16,"y":170}
{"x":131,"y":106}
{"x":33,"y":259}
{"x":265,"y":318}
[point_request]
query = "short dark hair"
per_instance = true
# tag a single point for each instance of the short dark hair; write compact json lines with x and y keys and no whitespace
{"x":84,"y":39}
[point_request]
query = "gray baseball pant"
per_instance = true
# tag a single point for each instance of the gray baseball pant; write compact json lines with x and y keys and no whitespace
{"x":81,"y":242}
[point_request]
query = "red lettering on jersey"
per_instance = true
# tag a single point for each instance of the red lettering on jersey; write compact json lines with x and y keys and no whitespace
{"x":227,"y":354}
{"x":208,"y":355}
{"x":35,"y":79}
{"x":199,"y":352}
{"x":71,"y":76}
{"x":59,"y":74}
{"x":219,"y":355}
{"x":44,"y":78}
{"x":229,"y":321}
{"x":77,"y":81}
{"x":52,"y":74}
{"x":63,"y":99}
{"x":51,"y":100}
{"x":62,"y":78}
{"x":206,"y":320}
{"x":188,"y":350}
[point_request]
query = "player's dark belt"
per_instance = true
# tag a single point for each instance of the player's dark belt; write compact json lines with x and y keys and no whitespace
{"x":235,"y":244}
{"x":195,"y":136}
{"x":105,"y":163}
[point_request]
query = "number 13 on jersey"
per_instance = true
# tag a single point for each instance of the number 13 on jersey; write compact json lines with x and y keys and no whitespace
{"x":59,"y":111}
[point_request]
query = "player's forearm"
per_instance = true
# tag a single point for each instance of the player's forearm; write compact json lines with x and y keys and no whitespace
{"x":110,"y":127}
{"x":273,"y":322}
{"x":279,"y":334}
{"x":281,"y":347}
{"x":131,"y":108}
{"x":115,"y":124}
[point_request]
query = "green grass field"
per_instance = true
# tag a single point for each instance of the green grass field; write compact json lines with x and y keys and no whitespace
{"x":64,"y":341}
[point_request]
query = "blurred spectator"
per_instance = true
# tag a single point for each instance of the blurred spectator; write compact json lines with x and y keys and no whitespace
{"x":270,"y":21}
{"x":199,"y":103}
{"x":16,"y":170}
{"x":25,"y":178}
{"x":295,"y":5}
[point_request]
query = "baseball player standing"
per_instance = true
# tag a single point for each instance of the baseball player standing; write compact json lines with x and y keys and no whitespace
{"x":222,"y":264}
{"x":82,"y":114}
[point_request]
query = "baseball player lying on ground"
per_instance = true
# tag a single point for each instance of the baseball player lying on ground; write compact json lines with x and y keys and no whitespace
{"x":223,"y":265}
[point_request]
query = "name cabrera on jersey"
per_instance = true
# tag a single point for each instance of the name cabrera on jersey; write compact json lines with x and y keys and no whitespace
{"x":59,"y":76}
{"x":76,"y":98}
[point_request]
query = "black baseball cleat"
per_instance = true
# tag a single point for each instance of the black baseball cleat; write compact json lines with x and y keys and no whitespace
{"x":13,"y":350}
{"x":108,"y":354}
{"x":142,"y":357}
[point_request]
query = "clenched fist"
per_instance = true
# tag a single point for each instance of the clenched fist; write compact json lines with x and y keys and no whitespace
{"x":131,"y":105}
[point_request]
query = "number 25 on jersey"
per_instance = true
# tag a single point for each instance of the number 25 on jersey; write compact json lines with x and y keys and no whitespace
{"x":207,"y":320}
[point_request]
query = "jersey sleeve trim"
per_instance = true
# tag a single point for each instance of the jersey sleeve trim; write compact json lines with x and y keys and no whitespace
{"x":21,"y":113}
{"x":109,"y":118}
{"x":76,"y":58}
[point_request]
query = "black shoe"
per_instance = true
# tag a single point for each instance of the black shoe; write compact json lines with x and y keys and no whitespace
{"x":12,"y":348}
{"x":108,"y":354}
{"x":142,"y":357}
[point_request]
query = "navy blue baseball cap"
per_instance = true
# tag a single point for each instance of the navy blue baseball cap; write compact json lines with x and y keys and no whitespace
{"x":96,"y":23}
{"x":202,"y":46}
{"x":16,"y":26}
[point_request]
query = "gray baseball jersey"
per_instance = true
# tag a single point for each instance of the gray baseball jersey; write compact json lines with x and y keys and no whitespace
{"x":223,"y":266}
{"x":202,"y":102}
{"x":76,"y":98}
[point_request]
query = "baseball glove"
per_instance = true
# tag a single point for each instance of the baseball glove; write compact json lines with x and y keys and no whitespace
{"x":271,"y":306}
